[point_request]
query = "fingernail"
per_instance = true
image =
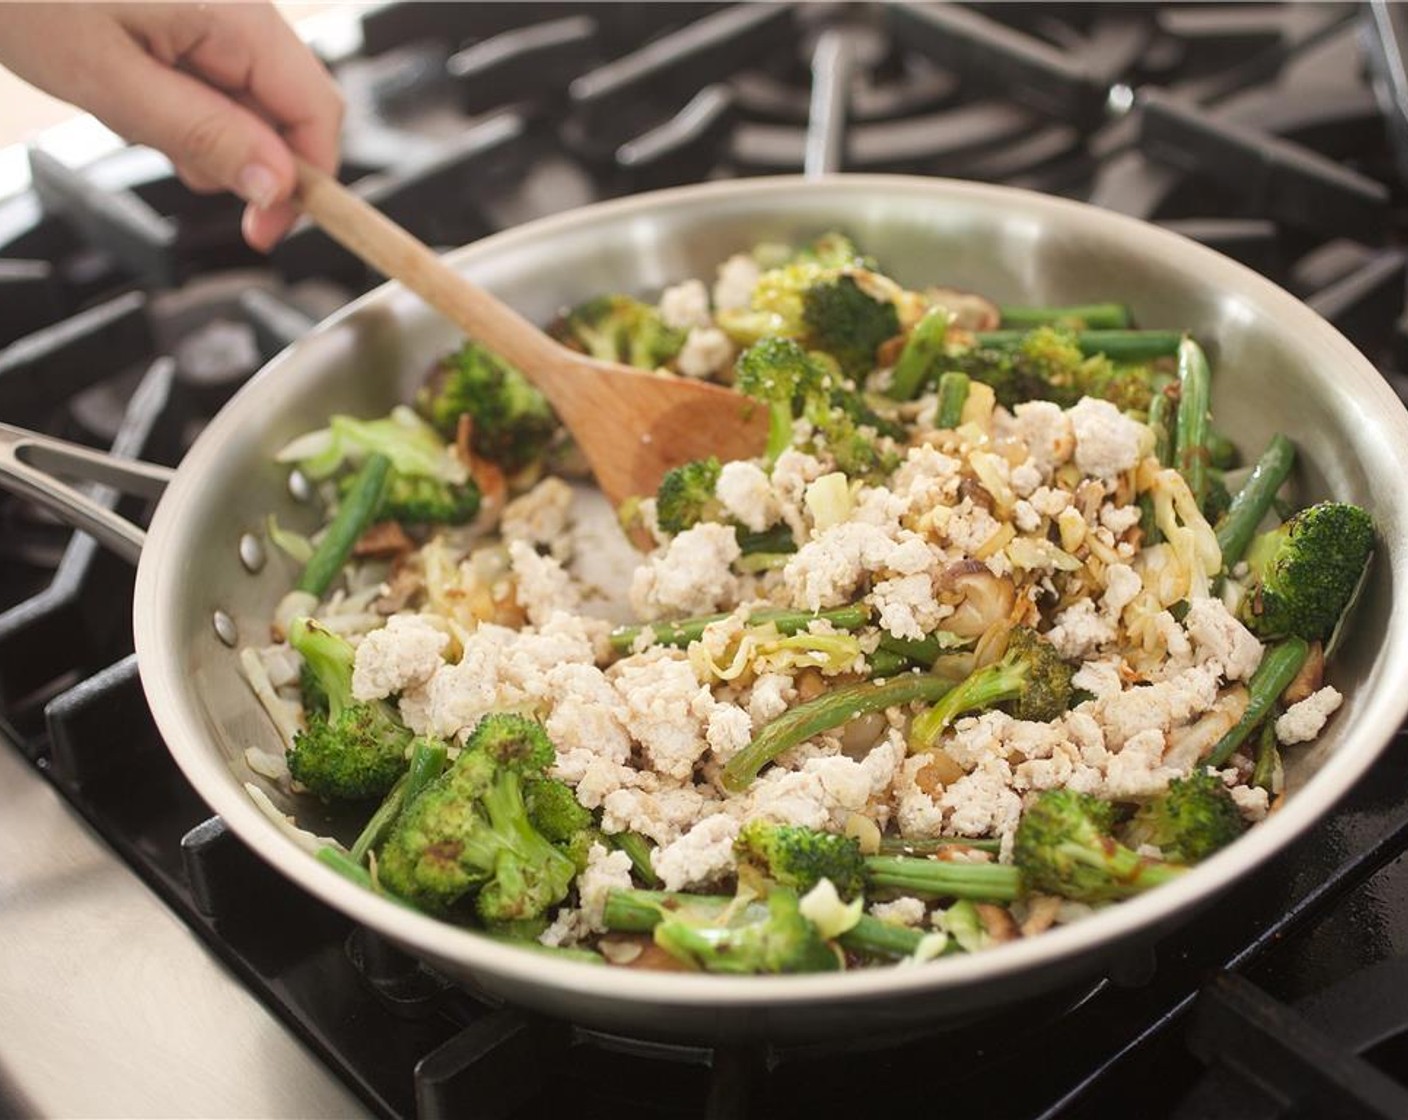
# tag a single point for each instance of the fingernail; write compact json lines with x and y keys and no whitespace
{"x":257,"y":184}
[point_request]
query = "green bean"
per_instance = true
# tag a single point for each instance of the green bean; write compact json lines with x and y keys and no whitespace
{"x":1236,"y":530}
{"x":1190,"y":436}
{"x":1089,"y":316}
{"x":340,"y":862}
{"x":953,"y":394}
{"x":427,"y":761}
{"x":822,"y":714}
{"x":872,"y":937}
{"x":682,"y":631}
{"x":638,"y":848}
{"x":922,"y":349}
{"x":1279,"y":666}
{"x":358,"y":508}
{"x":1268,"y":756}
{"x":887,"y":662}
{"x":777,"y":539}
{"x":639,"y":911}
{"x":934,"y":878}
{"x":1119,"y":346}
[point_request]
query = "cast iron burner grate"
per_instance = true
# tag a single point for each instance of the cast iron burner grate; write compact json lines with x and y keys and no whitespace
{"x":130,"y":310}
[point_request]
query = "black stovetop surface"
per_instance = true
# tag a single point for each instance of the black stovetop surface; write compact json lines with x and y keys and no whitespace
{"x":131,"y":312}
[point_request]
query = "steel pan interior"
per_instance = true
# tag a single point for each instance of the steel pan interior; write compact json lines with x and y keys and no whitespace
{"x":1278,"y":367}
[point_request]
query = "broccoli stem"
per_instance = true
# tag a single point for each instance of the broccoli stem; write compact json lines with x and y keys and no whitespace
{"x":1253,"y":500}
{"x":358,"y":508}
{"x":825,"y":712}
{"x":1279,"y":666}
{"x":427,"y":760}
{"x":1268,"y":756}
{"x":685,"y":630}
{"x":1091,"y":316}
{"x":901,"y":846}
{"x":1190,"y":437}
{"x":638,"y":848}
{"x":953,"y":395}
{"x":1118,"y":346}
{"x":985,"y":687}
{"x":377,"y":828}
{"x":935,"y":878}
{"x":924,"y":346}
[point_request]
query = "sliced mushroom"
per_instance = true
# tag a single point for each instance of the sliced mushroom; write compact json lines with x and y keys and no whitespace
{"x":970,"y":311}
{"x":1309,"y":679}
{"x":980,"y":598}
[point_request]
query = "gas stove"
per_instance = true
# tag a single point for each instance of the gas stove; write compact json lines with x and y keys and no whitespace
{"x":140,"y":934}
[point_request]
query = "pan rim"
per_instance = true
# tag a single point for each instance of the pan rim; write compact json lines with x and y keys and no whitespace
{"x":182,"y":728}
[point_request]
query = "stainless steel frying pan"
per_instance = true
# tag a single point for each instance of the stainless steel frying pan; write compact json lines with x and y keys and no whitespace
{"x":1278,"y":368}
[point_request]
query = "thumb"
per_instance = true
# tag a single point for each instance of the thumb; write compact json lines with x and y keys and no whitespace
{"x":213,"y":140}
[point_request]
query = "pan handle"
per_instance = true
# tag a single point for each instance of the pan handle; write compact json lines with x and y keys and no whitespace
{"x":32,"y":464}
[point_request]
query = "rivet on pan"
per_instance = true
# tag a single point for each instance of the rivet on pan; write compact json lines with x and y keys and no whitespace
{"x":299,"y":486}
{"x":251,"y":552}
{"x":225,"y":629}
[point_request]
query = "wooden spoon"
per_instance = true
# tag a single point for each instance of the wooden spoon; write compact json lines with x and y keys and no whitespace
{"x":632,"y":425}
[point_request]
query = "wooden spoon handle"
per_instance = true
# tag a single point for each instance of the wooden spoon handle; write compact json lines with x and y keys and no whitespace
{"x":387,"y":247}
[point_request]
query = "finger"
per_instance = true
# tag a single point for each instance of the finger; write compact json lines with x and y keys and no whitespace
{"x":197,"y":180}
{"x":263,"y":229}
{"x":200,"y":128}
{"x":251,"y":52}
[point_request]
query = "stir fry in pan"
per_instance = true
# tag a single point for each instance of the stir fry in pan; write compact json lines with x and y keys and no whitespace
{"x":996,"y":631}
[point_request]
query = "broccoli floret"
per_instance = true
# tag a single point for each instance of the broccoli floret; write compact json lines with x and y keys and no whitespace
{"x":1048,"y":364}
{"x":844,"y":321}
{"x":799,"y":857}
{"x":794,"y":385}
{"x":354,"y":750}
{"x":415,"y":500}
{"x":1219,"y":498}
{"x":554,"y":809}
{"x":769,"y":937}
{"x":512,"y":422}
{"x":834,"y":250}
{"x":784,"y":377}
{"x":427,"y":481}
{"x":1195,"y":818}
{"x":1304,"y":572}
{"x":821,"y":306}
{"x":470,"y":831}
{"x":617,"y":328}
{"x":1129,"y":388}
{"x":1064,"y":847}
{"x":1030,"y":679}
{"x":429,"y":501}
{"x":686,"y":495}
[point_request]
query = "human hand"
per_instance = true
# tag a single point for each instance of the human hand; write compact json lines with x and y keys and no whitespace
{"x":227,"y":91}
